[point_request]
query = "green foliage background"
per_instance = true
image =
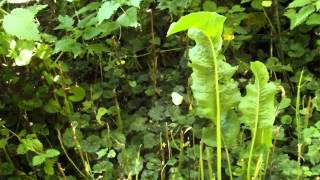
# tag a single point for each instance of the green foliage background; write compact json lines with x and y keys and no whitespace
{"x":86,"y":90}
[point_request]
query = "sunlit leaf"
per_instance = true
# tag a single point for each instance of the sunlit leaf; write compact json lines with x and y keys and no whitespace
{"x":129,"y":18}
{"x":258,"y":107}
{"x":297,"y":18}
{"x":106,"y":10}
{"x":66,"y":22}
{"x":314,"y":19}
{"x":21,"y":23}
{"x":38,"y":159}
{"x":50,"y":153}
{"x":208,"y":21}
{"x":299,"y":3}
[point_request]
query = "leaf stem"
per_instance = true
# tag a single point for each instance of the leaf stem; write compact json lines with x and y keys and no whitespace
{"x":217,"y":118}
{"x":298,"y":118}
{"x":201,"y":161}
{"x":254,"y":130}
{"x":67,"y":155}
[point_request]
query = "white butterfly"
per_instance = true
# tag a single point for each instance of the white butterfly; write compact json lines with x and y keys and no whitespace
{"x":176,"y":98}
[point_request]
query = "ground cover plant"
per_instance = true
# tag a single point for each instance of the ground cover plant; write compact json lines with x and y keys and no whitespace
{"x":166,"y":89}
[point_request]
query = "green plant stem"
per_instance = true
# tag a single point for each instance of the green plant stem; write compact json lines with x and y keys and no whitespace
{"x":298,"y":120}
{"x":119,"y":119}
{"x":201,"y":161}
{"x":208,"y":153}
{"x":138,"y":159}
{"x":256,"y":120}
{"x":181,"y":149}
{"x":8,"y":157}
{"x":309,"y":112}
{"x":228,"y":160}
{"x":68,"y":157}
{"x":217,"y":118}
{"x":258,"y":167}
{"x":86,"y":163}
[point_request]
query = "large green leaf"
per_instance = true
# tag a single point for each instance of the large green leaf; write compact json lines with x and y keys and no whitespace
{"x":21,"y":23}
{"x":214,"y":90}
{"x":203,"y":76}
{"x":210,"y":23}
{"x":257,"y":107}
{"x":258,"y":110}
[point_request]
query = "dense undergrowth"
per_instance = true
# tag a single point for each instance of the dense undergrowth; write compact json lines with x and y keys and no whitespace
{"x":109,"y":90}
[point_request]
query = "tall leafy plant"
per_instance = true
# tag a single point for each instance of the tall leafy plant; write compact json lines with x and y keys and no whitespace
{"x":258,"y":112}
{"x":212,"y":81}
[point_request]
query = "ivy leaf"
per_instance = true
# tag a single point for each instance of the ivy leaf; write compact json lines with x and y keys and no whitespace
{"x":102,"y":153}
{"x":91,"y":32}
{"x":50,"y":153}
{"x":135,"y":3}
{"x":68,"y":45}
{"x":298,"y":18}
{"x":92,"y":6}
{"x":21,"y":23}
{"x":106,"y":10}
{"x":108,"y":27}
{"x":53,"y":106}
{"x":78,"y":93}
{"x":38,"y":159}
{"x":66,"y":22}
{"x":149,"y":140}
{"x":91,"y":144}
{"x":103,"y":166}
{"x":32,"y":144}
{"x":6,"y":168}
{"x":3,"y":143}
{"x":36,"y":8}
{"x":209,"y":6}
{"x":157,"y":112}
{"x":49,"y":167}
{"x":68,"y":139}
{"x":128,"y":18}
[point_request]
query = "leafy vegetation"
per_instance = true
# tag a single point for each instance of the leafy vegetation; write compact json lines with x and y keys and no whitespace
{"x":116,"y":90}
